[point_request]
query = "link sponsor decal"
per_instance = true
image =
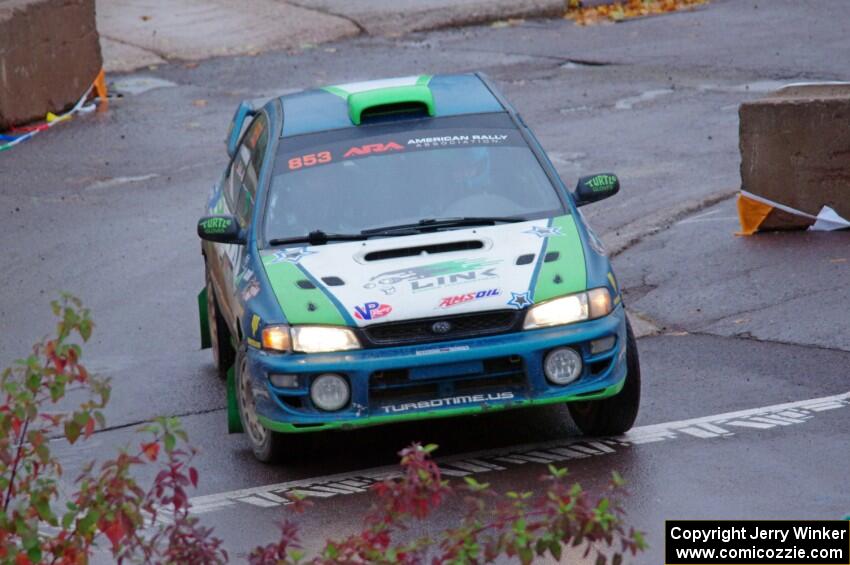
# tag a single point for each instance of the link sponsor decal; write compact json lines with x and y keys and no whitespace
{"x":756,"y":542}
{"x":372,"y":311}
{"x":435,"y":275}
{"x":520,"y":300}
{"x":450,"y":301}
{"x":544,"y":231}
{"x":447,"y":402}
{"x":309,"y":160}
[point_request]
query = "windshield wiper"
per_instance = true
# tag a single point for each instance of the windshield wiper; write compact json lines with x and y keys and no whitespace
{"x":318,"y":237}
{"x":428,"y":224}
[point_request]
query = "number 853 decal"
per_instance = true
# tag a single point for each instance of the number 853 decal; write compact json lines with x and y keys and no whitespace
{"x":309,"y":160}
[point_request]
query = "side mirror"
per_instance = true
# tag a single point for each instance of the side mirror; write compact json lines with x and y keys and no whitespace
{"x":220,"y":229}
{"x":244,"y":110}
{"x":596,"y":187}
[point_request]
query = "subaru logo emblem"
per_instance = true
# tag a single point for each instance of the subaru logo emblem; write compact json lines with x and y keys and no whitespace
{"x":442,"y":327}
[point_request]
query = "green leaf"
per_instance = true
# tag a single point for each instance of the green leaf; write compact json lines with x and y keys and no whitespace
{"x":430,"y":448}
{"x":169,"y":441}
{"x":72,"y":431}
{"x":617,"y":479}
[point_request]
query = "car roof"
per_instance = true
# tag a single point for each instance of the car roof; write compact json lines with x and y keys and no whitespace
{"x":346,"y":105}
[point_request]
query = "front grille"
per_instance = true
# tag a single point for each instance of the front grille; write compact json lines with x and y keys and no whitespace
{"x":461,"y":325}
{"x":497,"y":375}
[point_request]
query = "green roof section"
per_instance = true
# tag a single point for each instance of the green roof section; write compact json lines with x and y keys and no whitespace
{"x":332,"y":107}
{"x":362,"y":96}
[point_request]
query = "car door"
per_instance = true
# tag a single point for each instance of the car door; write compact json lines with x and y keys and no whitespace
{"x":240,"y":190}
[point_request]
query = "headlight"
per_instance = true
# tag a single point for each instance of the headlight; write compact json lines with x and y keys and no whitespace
{"x":569,"y":309}
{"x":322,"y":339}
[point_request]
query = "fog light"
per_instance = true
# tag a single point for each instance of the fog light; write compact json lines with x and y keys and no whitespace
{"x":329,"y":392}
{"x":602,"y":345}
{"x":284,"y":381}
{"x":562,"y":366}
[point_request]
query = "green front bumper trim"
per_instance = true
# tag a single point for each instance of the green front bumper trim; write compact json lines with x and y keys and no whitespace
{"x":287,"y":428}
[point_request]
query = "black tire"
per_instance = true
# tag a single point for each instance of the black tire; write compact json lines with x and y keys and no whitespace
{"x":268,"y":446}
{"x":222,"y":347}
{"x":614,"y":415}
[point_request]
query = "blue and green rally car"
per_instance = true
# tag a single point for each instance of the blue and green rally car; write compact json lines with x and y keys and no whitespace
{"x":403,"y":249}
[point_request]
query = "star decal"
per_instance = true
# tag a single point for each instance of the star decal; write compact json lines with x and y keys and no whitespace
{"x":520,"y":300}
{"x":291,"y":255}
{"x":544,"y":231}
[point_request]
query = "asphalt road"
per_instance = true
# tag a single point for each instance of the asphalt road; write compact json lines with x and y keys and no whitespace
{"x":106,"y":207}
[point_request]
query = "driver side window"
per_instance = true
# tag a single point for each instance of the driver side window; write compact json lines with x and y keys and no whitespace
{"x":241,"y":187}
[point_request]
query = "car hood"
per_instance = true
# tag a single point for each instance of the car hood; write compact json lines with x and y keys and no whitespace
{"x":428,"y":275}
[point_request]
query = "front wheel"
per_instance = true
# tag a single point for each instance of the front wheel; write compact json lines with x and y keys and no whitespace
{"x":614,"y":415}
{"x":266,"y":444}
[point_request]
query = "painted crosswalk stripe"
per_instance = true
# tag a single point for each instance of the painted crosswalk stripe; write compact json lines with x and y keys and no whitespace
{"x":698,"y":432}
{"x":776,"y":417}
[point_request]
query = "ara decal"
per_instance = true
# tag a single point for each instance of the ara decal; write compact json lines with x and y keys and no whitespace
{"x":545,"y":231}
{"x":372,"y":311}
{"x":450,"y":301}
{"x":372,"y":148}
{"x":520,"y":300}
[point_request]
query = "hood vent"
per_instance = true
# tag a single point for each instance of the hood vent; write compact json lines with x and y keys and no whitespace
{"x":420,"y":249}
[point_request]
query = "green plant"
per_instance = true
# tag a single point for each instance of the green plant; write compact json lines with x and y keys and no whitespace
{"x":38,"y":525}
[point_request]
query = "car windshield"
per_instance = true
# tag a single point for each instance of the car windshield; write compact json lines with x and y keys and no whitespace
{"x":444,"y":168}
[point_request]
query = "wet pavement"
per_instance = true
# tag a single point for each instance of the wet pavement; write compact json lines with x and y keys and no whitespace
{"x":105,"y":207}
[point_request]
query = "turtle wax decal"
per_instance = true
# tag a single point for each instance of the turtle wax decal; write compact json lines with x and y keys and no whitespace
{"x":435,"y":275}
{"x":216,"y":225}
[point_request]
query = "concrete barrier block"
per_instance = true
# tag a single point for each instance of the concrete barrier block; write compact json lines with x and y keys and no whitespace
{"x":795,"y":151}
{"x":49,"y":56}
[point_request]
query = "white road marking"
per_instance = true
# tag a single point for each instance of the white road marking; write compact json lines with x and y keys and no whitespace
{"x":707,"y":427}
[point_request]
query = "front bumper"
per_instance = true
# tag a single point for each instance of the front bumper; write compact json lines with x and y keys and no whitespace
{"x":439,"y":379}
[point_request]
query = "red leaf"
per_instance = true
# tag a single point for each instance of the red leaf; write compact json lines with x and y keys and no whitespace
{"x":114,"y":531}
{"x":89,"y":427}
{"x":22,"y":559}
{"x":151,"y":450}
{"x":193,"y":476}
{"x":16,"y":425}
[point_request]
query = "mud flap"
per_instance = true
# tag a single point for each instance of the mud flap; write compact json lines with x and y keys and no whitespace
{"x":206,"y":342}
{"x":234,"y":424}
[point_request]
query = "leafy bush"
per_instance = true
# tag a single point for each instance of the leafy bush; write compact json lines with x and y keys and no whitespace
{"x":110,"y":509}
{"x":38,"y":524}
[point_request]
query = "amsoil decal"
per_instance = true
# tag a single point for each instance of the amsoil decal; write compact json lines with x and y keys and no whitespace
{"x":373,"y":148}
{"x":435,"y":275}
{"x":450,"y":401}
{"x":450,"y":301}
{"x":372,"y":311}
